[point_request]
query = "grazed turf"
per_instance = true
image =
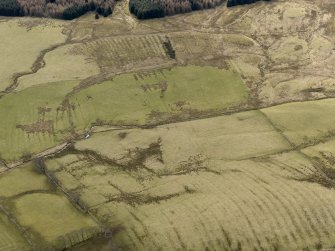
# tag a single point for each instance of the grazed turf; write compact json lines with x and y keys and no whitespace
{"x":41,"y":211}
{"x":33,"y":120}
{"x":22,"y":180}
{"x":159,"y":96}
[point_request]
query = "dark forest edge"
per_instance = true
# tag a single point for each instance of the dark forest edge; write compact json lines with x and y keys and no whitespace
{"x":145,"y":9}
{"x":62,"y":9}
{"x":232,"y":3}
{"x":142,"y":9}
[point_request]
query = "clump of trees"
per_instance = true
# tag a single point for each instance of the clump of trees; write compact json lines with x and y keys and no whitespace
{"x":64,"y":9}
{"x":231,"y":3}
{"x":170,"y":52}
{"x":144,"y":9}
{"x":103,"y":8}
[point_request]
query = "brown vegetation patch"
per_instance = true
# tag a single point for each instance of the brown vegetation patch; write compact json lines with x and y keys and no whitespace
{"x":325,"y":171}
{"x":161,"y":86}
{"x":135,"y":158}
{"x":318,"y":89}
{"x":179,"y":105}
{"x":134,"y":199}
{"x":185,"y":114}
{"x":298,"y":47}
{"x":38,"y":127}
{"x":192,"y":164}
{"x":43,"y":110}
{"x":122,"y":135}
{"x":66,"y":106}
{"x":161,"y":117}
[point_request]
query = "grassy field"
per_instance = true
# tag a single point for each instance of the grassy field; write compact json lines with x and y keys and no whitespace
{"x":302,"y":127}
{"x":216,"y":138}
{"x":324,"y":150}
{"x":154,"y":97}
{"x":159,"y":96}
{"x":10,"y":238}
{"x":61,"y":65}
{"x":22,"y":180}
{"x":41,"y":211}
{"x":22,"y":41}
{"x":166,"y":187}
{"x":210,"y":130}
{"x":36,"y":125}
{"x":36,"y":210}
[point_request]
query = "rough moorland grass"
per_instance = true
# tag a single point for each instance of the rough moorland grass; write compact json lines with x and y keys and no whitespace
{"x":289,"y":49}
{"x":158,"y":96}
{"x":20,"y":45}
{"x":216,"y":183}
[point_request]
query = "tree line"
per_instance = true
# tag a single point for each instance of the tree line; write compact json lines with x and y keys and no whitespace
{"x":231,"y":3}
{"x":10,"y":8}
{"x":144,"y":9}
{"x":64,"y":9}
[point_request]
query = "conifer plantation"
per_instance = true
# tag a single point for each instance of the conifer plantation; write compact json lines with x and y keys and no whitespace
{"x":144,"y":9}
{"x":231,"y":3}
{"x":63,"y":9}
